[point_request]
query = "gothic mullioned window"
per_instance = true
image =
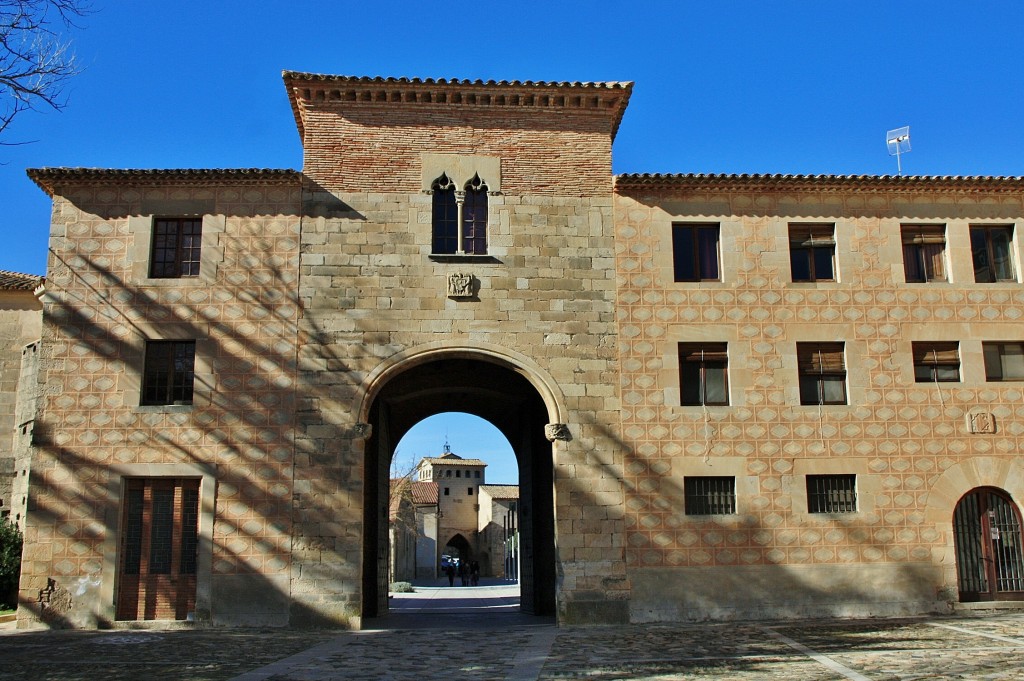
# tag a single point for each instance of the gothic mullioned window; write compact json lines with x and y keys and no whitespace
{"x":474,"y":217}
{"x":459,"y":217}
{"x":445,"y":216}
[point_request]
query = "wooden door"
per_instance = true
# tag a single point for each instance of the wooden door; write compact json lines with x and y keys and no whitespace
{"x":159,"y":543}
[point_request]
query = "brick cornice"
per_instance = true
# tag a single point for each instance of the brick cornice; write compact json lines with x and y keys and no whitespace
{"x":607,"y":99}
{"x":49,"y":178}
{"x":815,"y":183}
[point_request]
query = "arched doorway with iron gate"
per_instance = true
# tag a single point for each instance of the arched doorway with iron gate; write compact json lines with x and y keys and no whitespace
{"x":501,"y":391}
{"x":987,"y":539}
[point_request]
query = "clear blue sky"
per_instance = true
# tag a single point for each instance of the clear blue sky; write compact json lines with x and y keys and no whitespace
{"x":471,"y":437}
{"x":784,"y":86}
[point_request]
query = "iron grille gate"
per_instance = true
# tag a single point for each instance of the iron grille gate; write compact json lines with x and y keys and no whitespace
{"x":987,"y":535}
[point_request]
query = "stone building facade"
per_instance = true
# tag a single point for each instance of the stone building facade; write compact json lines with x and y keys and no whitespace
{"x":729,"y":396}
{"x":497,"y":531}
{"x":458,"y":482}
{"x":908,"y":298}
{"x":449,"y":510}
{"x":20,"y":328}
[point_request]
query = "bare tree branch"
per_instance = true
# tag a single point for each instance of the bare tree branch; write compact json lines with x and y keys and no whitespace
{"x":35,"y":59}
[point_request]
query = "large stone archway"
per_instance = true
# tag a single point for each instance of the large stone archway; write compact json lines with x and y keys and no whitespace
{"x":486,"y":385}
{"x":950,"y":487}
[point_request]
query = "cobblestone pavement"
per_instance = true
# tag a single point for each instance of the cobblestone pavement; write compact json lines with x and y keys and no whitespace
{"x":510,"y":646}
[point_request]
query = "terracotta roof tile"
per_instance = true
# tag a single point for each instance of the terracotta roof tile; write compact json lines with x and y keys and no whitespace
{"x":609,"y":97}
{"x":501,"y":491}
{"x":48,"y":178}
{"x":424,"y":493}
{"x":791,"y":182}
{"x":452,"y":460}
{"x":16,"y":281}
{"x":324,"y":77}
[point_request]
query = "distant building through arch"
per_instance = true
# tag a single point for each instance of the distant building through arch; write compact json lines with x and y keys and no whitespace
{"x":453,"y":507}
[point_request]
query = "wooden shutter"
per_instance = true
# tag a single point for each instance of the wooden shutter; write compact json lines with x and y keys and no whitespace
{"x":703,"y":352}
{"x":820,"y":358}
{"x":936,"y":353}
{"x":924,"y":235}
{"x":807,"y":236}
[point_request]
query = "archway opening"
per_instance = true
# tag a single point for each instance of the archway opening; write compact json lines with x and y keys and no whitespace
{"x":502,"y":396}
{"x":461,"y":477}
{"x":987,"y":537}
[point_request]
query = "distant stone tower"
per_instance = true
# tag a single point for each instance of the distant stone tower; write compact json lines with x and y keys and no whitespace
{"x":458,"y":502}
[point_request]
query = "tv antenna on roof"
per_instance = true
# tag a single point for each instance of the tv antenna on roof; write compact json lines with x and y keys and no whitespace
{"x":898,"y":143}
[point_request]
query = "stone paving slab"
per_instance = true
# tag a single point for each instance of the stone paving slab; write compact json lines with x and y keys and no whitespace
{"x":200,"y":655}
{"x":878,"y":650}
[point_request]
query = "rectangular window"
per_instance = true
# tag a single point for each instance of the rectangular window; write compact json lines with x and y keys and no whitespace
{"x":831,"y":493}
{"x":1003,"y":361}
{"x":709,"y":495}
{"x":936,"y":362}
{"x":469,"y":491}
{"x":448,"y":473}
{"x":447,"y":491}
{"x":992,"y":248}
{"x":176,"y":247}
{"x":458,"y":474}
{"x":169,"y":372}
{"x":695,"y":252}
{"x":476,"y":474}
{"x":822,"y":371}
{"x":924,"y":253}
{"x":812,"y":252}
{"x":703,"y":374}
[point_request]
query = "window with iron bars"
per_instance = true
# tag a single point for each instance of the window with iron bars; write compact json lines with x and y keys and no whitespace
{"x":709,"y":495}
{"x":831,"y":493}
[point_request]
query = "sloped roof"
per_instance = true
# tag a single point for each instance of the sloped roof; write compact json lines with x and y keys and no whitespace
{"x":49,"y":178}
{"x":816,"y":182}
{"x":16,"y":281}
{"x":501,"y":491}
{"x":449,"y":459}
{"x":424,"y":493}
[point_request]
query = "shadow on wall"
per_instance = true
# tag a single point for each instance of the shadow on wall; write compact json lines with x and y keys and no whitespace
{"x":664,"y":586}
{"x":252,"y":410}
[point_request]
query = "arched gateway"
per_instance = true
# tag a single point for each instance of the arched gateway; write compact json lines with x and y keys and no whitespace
{"x":989,"y":559}
{"x":494,"y":388}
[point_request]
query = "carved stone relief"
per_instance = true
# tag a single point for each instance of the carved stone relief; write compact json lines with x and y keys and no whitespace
{"x":460,"y":285}
{"x":557,"y":431}
{"x":981,"y":422}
